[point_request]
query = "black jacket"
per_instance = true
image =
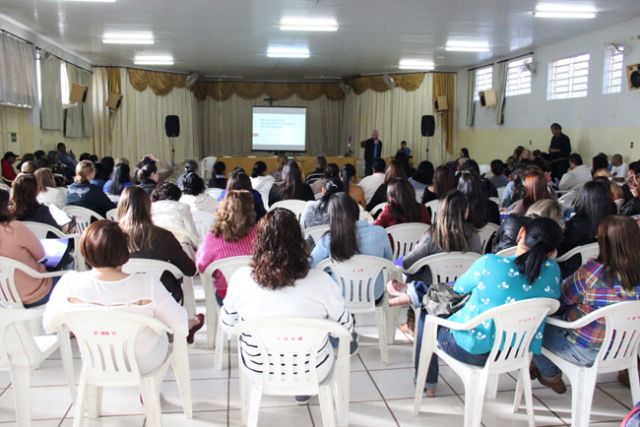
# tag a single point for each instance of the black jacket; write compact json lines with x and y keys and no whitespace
{"x":631,"y":207}
{"x":89,"y":196}
{"x":304,"y":193}
{"x":508,"y":232}
{"x":368,"y":149}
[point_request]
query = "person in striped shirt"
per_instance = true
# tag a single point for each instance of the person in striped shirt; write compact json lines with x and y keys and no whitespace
{"x":281,"y":282}
{"x":611,"y":278}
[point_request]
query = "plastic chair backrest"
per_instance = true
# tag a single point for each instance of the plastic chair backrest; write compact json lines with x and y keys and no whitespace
{"x":112,"y":214}
{"x":508,"y":251}
{"x":214,"y":193}
{"x":406,"y":236}
{"x":203,"y":221}
{"x":622,"y":335}
{"x":500,"y":191}
{"x":516,"y":325}
{"x":152,"y":267}
{"x":83,"y":216}
{"x":567,"y":199}
{"x":357,"y":278}
{"x":114,"y":198}
{"x":227,"y":266}
{"x":419,"y":194}
{"x":295,"y":206}
{"x":486,"y":234}
{"x":484,"y":169}
{"x":17,"y":345}
{"x":366,"y":216}
{"x":433,"y":207}
{"x":206,"y":166}
{"x":446,"y":267}
{"x":316,"y":232}
{"x":41,"y":230}
{"x":4,"y":187}
{"x":378,"y":208}
{"x":106,"y":338}
{"x":591,"y":250}
{"x":9,"y":295}
{"x":289,"y":347}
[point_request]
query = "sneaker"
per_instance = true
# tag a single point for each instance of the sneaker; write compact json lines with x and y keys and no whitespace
{"x":303,"y":400}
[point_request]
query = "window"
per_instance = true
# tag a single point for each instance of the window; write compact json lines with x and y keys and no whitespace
{"x":569,"y":77}
{"x":612,"y":82}
{"x":65,"y":86}
{"x":484,"y":81}
{"x":519,"y":77}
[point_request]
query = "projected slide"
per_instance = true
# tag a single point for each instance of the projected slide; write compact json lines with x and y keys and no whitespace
{"x":279,"y":129}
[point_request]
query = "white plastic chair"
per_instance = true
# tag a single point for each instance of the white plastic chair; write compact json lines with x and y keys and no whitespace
{"x":114,"y":198}
{"x":156,"y":268}
{"x":356,"y":278}
{"x":316,"y":232}
{"x":496,"y":200}
{"x":295,"y":206}
{"x":500,"y":191}
{"x":4,"y":187}
{"x":508,"y":251}
{"x":515,"y":326}
{"x":292,"y":365}
{"x":591,"y":250}
{"x":484,"y":169}
{"x":566,"y":200}
{"x":9,"y":295}
{"x":203,"y":221}
{"x":378,"y":208}
{"x":433,"y":207}
{"x":619,"y":351}
{"x":112,"y":214}
{"x":406,"y":236}
{"x":42,"y":230}
{"x":206,"y":166}
{"x":486,"y":235}
{"x":419,"y":194}
{"x":227,"y":267}
{"x":106,"y":338}
{"x":83,"y":216}
{"x":21,"y":352}
{"x":214,"y":193}
{"x":366,"y":216}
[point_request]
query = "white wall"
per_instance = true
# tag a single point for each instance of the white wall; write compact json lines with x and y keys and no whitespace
{"x":595,"y":123}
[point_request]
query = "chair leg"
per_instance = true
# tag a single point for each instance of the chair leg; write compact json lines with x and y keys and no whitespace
{"x":244,"y":397}
{"x":21,"y":382}
{"x":254,"y":405}
{"x":492,"y":386}
{"x":528,"y":395}
{"x":212,"y":311}
{"x":189,"y":299}
{"x":582,"y":389}
{"x":517,"y":399}
{"x":381,"y":320}
{"x":81,"y":400}
{"x":221,"y":339}
{"x":325,"y":396}
{"x":64,"y":342}
{"x":475,"y":390}
{"x":150,"y":390}
{"x":94,"y":398}
{"x":634,"y":382}
{"x":180,"y":367}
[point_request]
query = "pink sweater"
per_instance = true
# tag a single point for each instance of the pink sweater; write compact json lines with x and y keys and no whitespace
{"x":215,"y":248}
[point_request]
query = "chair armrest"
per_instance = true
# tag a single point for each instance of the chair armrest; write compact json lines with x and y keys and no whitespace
{"x":435,"y":320}
{"x":583,"y":321}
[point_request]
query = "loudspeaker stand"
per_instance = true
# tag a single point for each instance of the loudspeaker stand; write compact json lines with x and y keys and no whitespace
{"x":173,"y":152}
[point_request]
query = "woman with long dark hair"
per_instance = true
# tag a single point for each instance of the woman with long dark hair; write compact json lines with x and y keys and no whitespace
{"x":481,"y":209}
{"x":535,"y":189}
{"x":316,"y":212}
{"x":348,"y":175}
{"x":121,"y":179}
{"x":292,"y":186}
{"x":423,"y":177}
{"x":24,"y":204}
{"x":611,"y":278}
{"x":261,"y":182}
{"x":402,"y":206}
{"x":394,"y":170}
{"x":443,"y":182}
{"x":239,"y":180}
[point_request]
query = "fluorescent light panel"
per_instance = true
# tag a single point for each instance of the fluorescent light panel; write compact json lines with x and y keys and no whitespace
{"x":415,"y":64}
{"x":466,"y":46}
{"x":289,"y":23}
{"x":153,"y":60}
{"x":91,"y":1}
{"x":140,"y":37}
{"x":564,"y":11}
{"x":287,"y":52}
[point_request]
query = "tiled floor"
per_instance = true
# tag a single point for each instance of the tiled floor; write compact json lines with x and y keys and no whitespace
{"x":380,"y":396}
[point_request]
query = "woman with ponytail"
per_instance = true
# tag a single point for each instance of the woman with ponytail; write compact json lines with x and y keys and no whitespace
{"x":493,"y":281}
{"x":316,"y":213}
{"x":348,"y":175}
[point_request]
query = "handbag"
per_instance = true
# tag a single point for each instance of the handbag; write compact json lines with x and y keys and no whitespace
{"x":442,"y":301}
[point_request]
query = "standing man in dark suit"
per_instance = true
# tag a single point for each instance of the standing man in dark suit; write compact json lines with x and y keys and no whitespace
{"x":372,"y":151}
{"x":560,"y":145}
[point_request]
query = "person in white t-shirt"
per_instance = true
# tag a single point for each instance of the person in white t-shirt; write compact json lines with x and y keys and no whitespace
{"x":577,"y":176}
{"x":104,"y":247}
{"x":619,"y":169}
{"x":371,"y":183}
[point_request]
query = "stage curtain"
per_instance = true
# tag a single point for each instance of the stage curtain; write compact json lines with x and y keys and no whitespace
{"x":408,"y":82}
{"x":73,"y":114}
{"x":51,"y":112}
{"x":160,"y":83}
{"x":444,"y":84}
{"x":227,"y":124}
{"x":101,"y":114}
{"x":17,"y":72}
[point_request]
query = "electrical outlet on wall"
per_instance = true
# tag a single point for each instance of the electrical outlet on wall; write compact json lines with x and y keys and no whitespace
{"x":631,"y":144}
{"x":13,"y":137}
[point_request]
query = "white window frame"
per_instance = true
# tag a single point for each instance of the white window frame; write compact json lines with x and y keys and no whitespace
{"x":484,"y":81}
{"x":518,"y":77}
{"x":569,"y":77}
{"x":612,"y":78}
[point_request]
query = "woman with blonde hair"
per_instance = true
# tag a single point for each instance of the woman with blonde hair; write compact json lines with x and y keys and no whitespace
{"x":84,"y":194}
{"x":48,"y":193}
{"x":233,"y":234}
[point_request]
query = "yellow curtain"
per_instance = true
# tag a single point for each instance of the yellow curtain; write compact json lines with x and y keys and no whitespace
{"x":444,"y":85}
{"x":408,"y":82}
{"x":160,"y":83}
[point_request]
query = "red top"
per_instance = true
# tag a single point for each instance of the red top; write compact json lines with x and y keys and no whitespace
{"x":386,"y":218}
{"x":7,"y":170}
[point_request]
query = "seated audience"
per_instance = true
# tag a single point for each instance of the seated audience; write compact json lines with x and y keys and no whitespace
{"x":291,"y":186}
{"x":261,"y":182}
{"x":632,"y":206}
{"x":451,"y":232}
{"x":168,"y":212}
{"x":611,"y":278}
{"x":239,"y":180}
{"x":281,"y":282}
{"x":394,"y":170}
{"x":163,"y":168}
{"x":481,"y":209}
{"x":233,"y":234}
{"x":618,"y":168}
{"x":121,"y":179}
{"x":24,"y":204}
{"x":68,"y":159}
{"x":8,"y":172}
{"x":101,"y":177}
{"x":281,"y":160}
{"x":83,"y":193}
{"x":514,"y":189}
{"x":577,"y":175}
{"x":348,"y":175}
{"x":318,"y":170}
{"x":332,"y":171}
{"x":190,"y":166}
{"x":535,"y":189}
{"x":402,"y":206}
{"x":473,"y":167}
{"x":316,"y":212}
{"x":193,"y":194}
{"x":28,"y":167}
{"x":218,"y":178}
{"x":19,"y":243}
{"x":443,"y":182}
{"x":48,"y":193}
{"x":371,"y":183}
{"x":147,"y":177}
{"x":104,"y":247}
{"x":423,"y":177}
{"x":498,"y":178}
{"x":599,"y":162}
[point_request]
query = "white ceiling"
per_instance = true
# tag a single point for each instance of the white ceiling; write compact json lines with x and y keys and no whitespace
{"x":230,"y":37}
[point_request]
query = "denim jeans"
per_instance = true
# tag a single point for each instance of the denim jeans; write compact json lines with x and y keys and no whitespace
{"x":555,"y":340}
{"x":44,"y":299}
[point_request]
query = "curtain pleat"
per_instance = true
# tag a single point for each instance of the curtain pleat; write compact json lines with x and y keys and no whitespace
{"x":73,"y":114}
{"x":51,"y":112}
{"x":17,"y":72}
{"x":471,"y":105}
{"x":444,"y":84}
{"x":501,"y":92}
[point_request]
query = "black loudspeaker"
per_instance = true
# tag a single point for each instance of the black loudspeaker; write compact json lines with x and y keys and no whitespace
{"x":172,"y":126}
{"x":428,"y":125}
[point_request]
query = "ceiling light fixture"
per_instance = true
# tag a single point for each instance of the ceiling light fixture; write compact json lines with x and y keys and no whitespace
{"x":415,"y":64}
{"x":466,"y":46}
{"x":153,"y":60}
{"x":91,"y":1}
{"x":141,"y":37}
{"x":289,"y":23}
{"x":564,"y":11}
{"x":287,"y":52}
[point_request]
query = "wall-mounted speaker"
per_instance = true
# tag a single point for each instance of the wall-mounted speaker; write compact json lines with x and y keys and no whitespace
{"x":428,"y":125}
{"x":114,"y":101}
{"x":488,"y":98}
{"x":78,"y":93}
{"x":440,"y":103}
{"x":633,"y":76}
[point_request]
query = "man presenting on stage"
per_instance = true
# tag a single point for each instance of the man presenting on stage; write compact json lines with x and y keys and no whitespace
{"x":372,"y":151}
